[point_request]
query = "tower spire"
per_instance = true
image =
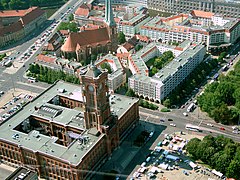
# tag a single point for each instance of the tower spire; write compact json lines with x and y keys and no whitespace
{"x":109,"y":19}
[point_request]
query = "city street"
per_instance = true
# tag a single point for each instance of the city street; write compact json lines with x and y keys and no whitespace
{"x":10,"y":81}
{"x":181,"y":121}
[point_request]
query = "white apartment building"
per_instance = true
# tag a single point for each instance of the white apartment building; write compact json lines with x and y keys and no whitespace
{"x":129,"y":2}
{"x":228,"y":9}
{"x":199,"y":26}
{"x":118,"y":76}
{"x":131,"y":23}
{"x":168,"y":78}
{"x":137,"y":61}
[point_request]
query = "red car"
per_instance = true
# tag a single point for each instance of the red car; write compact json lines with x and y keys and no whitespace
{"x":222,"y":128}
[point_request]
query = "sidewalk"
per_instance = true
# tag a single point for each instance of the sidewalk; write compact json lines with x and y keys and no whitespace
{"x":122,"y":156}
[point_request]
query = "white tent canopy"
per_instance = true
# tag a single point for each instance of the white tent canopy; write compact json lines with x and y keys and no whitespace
{"x":163,"y":166}
{"x":217,"y":173}
{"x":192,"y":164}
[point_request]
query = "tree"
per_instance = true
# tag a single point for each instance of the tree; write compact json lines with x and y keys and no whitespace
{"x":106,"y":66}
{"x":154,"y":70}
{"x":208,"y":152}
{"x":71,"y":26}
{"x":138,"y":47}
{"x":221,"y":114}
{"x":214,"y":158}
{"x":145,"y":104}
{"x":31,"y":68}
{"x":233,"y":169}
{"x":130,"y":93}
{"x":223,"y":162}
{"x":192,"y":146}
{"x":167,"y":103}
{"x":70,"y":17}
{"x":221,"y":142}
{"x":121,"y":38}
{"x":236,"y":96}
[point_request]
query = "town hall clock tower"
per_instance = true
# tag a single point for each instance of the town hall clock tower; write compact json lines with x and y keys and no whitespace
{"x":97,"y":108}
{"x":97,"y":112}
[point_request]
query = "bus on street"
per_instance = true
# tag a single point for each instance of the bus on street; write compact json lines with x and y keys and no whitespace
{"x":192,"y":127}
{"x":191,"y":107}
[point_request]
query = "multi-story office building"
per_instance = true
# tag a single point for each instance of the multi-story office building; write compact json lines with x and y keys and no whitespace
{"x":227,"y":9}
{"x":117,"y":77}
{"x":169,"y":77}
{"x":199,"y":26}
{"x":68,"y":130}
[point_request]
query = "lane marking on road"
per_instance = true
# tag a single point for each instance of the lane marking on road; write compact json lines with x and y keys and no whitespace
{"x":31,"y":85}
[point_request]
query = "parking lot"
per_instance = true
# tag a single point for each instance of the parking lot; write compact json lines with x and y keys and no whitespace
{"x":168,"y":160}
{"x":12,"y":101}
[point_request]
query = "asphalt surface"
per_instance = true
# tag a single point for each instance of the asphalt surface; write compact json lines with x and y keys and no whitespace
{"x":180,"y":120}
{"x":17,"y":80}
{"x":150,"y":119}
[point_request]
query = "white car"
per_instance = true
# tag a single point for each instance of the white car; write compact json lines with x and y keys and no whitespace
{"x":210,"y":125}
{"x":236,"y":132}
{"x":174,"y":125}
{"x":234,"y":127}
{"x":185,"y":114}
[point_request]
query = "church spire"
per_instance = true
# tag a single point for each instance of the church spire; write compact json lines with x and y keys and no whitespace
{"x":109,"y":19}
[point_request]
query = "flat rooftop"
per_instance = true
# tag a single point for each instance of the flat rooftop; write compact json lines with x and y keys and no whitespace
{"x":40,"y":107}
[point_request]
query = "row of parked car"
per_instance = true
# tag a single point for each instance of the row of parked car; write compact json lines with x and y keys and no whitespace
{"x":13,"y":106}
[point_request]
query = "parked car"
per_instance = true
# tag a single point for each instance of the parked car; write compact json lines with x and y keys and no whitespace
{"x":174,"y":125}
{"x":209,"y":125}
{"x":222,"y":128}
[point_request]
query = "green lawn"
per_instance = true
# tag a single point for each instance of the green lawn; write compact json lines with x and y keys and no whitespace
{"x":51,"y":11}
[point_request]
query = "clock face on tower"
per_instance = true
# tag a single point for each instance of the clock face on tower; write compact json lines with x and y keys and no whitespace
{"x":91,"y":88}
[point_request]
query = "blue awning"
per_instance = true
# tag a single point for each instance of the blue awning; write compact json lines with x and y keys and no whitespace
{"x":171,"y":157}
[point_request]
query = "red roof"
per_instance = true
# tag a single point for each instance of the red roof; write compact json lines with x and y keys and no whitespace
{"x":90,"y":27}
{"x":12,"y":13}
{"x":45,"y":58}
{"x":128,"y":46}
{"x":33,"y":14}
{"x":64,"y":32}
{"x":84,"y":38}
{"x":143,"y":38}
{"x":83,"y":10}
{"x":26,"y":14}
{"x":202,"y":14}
{"x":123,"y":55}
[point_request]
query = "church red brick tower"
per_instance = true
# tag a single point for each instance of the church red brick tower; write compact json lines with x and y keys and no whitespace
{"x":97,"y":112}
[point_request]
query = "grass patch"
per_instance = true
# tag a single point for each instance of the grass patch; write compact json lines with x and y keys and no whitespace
{"x":203,"y":164}
{"x":154,"y":13}
{"x":51,"y":11}
{"x":2,"y":56}
{"x":165,"y":110}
